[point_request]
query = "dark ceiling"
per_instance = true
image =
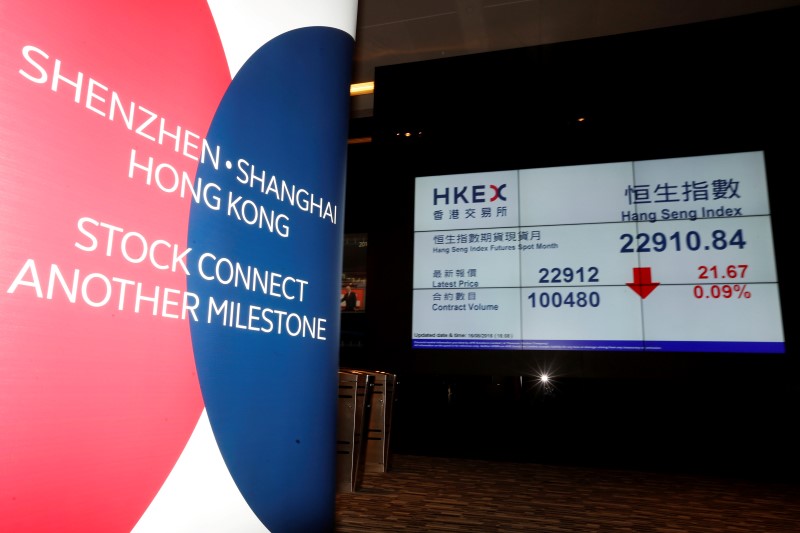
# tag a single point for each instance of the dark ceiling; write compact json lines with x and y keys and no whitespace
{"x":401,"y":31}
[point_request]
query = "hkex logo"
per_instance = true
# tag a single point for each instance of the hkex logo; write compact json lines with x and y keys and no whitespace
{"x":475,"y":194}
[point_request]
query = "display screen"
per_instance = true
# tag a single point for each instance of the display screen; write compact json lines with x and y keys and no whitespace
{"x":666,"y":254}
{"x":353,"y":294}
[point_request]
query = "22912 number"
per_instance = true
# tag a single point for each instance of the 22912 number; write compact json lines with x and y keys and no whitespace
{"x":568,"y":275}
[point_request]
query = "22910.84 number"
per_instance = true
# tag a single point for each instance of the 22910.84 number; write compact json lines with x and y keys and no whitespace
{"x":691,"y":240}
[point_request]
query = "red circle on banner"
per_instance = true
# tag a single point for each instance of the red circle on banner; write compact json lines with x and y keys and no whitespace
{"x":103,"y":107}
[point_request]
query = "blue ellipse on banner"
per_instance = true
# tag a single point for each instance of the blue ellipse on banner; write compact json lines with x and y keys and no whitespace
{"x":265,"y":233}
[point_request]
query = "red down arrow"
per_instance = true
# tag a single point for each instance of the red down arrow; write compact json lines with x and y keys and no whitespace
{"x":642,"y":282}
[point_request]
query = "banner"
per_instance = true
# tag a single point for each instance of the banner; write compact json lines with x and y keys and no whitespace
{"x":170,"y":262}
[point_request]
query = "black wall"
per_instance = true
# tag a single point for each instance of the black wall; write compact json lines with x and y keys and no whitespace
{"x":711,"y":87}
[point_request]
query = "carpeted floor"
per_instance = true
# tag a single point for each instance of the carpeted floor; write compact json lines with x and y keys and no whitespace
{"x":435,"y":494}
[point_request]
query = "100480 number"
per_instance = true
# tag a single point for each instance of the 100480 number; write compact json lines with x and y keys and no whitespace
{"x":568,"y":275}
{"x":564,"y":299}
{"x":691,"y":240}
